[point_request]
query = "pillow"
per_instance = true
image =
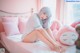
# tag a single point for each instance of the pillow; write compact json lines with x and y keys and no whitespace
{"x":10,"y":19}
{"x":22,"y":25}
{"x":11,"y":28}
{"x":10,"y":25}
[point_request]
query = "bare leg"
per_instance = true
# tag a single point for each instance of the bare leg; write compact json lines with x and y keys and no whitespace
{"x":32,"y":37}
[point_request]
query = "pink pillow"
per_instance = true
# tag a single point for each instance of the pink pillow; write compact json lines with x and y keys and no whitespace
{"x":10,"y":25}
{"x":10,"y":19}
{"x":22,"y":25}
{"x":11,"y":28}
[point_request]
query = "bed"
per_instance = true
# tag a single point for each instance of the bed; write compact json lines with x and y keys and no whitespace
{"x":13,"y":45}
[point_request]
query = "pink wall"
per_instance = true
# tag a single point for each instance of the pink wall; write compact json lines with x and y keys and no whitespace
{"x":17,"y":6}
{"x":58,"y":9}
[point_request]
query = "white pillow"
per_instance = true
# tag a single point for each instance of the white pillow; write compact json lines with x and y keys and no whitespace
{"x":11,"y":28}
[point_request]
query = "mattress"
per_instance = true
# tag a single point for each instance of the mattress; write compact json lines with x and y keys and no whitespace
{"x":14,"y":46}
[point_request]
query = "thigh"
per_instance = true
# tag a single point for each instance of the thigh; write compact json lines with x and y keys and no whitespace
{"x":31,"y":37}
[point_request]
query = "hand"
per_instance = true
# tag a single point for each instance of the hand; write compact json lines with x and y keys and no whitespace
{"x":63,"y":49}
{"x":57,"y":47}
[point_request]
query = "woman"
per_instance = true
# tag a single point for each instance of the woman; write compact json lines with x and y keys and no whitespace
{"x":38,"y":28}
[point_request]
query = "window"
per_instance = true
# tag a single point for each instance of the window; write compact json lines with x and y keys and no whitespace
{"x":71,"y":12}
{"x":72,"y":0}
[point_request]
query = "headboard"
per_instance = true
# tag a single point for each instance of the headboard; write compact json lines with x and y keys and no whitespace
{"x":1,"y":25}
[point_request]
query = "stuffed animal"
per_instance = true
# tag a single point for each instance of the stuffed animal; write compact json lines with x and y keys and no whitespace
{"x":67,"y":36}
{"x":74,"y":24}
{"x":55,"y":26}
{"x":77,"y":28}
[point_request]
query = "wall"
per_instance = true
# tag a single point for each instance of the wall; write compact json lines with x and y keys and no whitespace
{"x":19,"y":6}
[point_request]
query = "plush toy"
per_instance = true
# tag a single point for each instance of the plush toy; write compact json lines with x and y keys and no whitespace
{"x":77,"y":28}
{"x":55,"y":26}
{"x":67,"y":36}
{"x":75,"y":23}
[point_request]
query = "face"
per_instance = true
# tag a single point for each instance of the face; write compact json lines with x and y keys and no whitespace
{"x":43,"y":16}
{"x":69,"y":38}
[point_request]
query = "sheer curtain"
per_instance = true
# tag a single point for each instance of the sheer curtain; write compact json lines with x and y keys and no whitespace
{"x":71,"y":12}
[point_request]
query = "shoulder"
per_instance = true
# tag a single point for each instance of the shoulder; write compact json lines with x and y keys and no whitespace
{"x":36,"y":17}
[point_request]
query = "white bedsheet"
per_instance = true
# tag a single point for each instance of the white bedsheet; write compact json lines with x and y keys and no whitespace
{"x":16,"y":38}
{"x":20,"y":47}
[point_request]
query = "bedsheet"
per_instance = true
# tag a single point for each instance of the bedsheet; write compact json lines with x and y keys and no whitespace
{"x":20,"y":47}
